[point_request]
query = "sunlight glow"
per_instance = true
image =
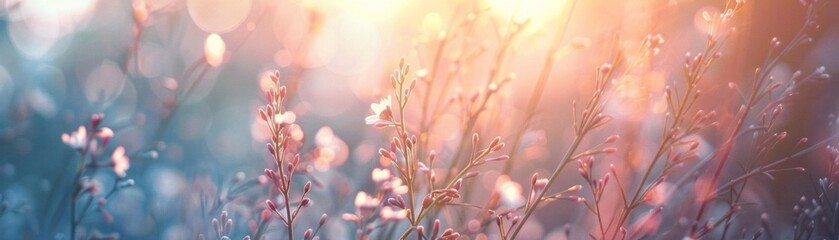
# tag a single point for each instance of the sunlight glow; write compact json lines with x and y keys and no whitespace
{"x":214,"y":49}
{"x":538,"y":11}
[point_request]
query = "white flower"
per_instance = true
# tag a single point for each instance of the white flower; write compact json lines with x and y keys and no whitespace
{"x":121,"y":163}
{"x":396,"y":186}
{"x":105,"y":133}
{"x":77,"y":139}
{"x":362,"y":200}
{"x":389,"y":213}
{"x":285,"y":118}
{"x":382,"y":105}
{"x":381,"y":175}
{"x":382,"y":113}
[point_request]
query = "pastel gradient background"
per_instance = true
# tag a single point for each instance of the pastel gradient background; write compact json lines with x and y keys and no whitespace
{"x":61,"y":61}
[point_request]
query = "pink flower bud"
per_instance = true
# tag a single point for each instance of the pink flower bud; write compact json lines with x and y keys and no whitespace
{"x":495,"y":142}
{"x":265,"y":215}
{"x":605,"y":68}
{"x":534,"y":178}
{"x":497,"y":159}
{"x":270,"y":174}
{"x":426,"y":202}
{"x":283,"y":92}
{"x":307,"y":234}
{"x":95,"y":119}
{"x":386,"y":154}
{"x":323,"y":219}
{"x":271,"y":149}
{"x":271,"y":205}
{"x":295,"y":160}
{"x":475,"y":139}
{"x":275,"y":76}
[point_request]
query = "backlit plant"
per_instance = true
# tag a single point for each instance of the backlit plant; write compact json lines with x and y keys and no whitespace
{"x":531,"y":119}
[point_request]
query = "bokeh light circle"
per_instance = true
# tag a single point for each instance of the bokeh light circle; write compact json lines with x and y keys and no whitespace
{"x":326,"y":93}
{"x":349,"y":44}
{"x":48,"y":91}
{"x":104,"y":84}
{"x":218,"y":16}
{"x":7,"y":89}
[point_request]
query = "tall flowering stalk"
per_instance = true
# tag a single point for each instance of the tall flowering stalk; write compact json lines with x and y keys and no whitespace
{"x":279,"y":123}
{"x":675,"y":149}
{"x":463,"y":81}
{"x":472,"y":107}
{"x":590,"y":118}
{"x":680,"y":123}
{"x":818,"y":216}
{"x":411,"y":170}
{"x":763,"y":87}
{"x":86,"y":192}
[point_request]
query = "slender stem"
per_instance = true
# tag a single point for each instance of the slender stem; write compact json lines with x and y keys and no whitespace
{"x":599,"y":217}
{"x":754,"y":98}
{"x":587,"y":123}
{"x":529,"y":212}
{"x":76,"y":187}
{"x":288,"y":217}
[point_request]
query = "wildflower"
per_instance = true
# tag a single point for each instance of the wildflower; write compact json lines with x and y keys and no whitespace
{"x":285,"y":118}
{"x":76,"y":140}
{"x":92,"y":187}
{"x":389,"y":213}
{"x":96,"y":119}
{"x":350,"y":217}
{"x":105,"y":134}
{"x":383,"y":114}
{"x":363,"y":200}
{"x":120,"y":161}
{"x":380,"y":175}
{"x":396,"y":186}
